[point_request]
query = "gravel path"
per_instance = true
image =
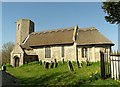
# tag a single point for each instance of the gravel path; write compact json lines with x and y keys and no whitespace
{"x":0,"y":78}
{"x":8,"y":80}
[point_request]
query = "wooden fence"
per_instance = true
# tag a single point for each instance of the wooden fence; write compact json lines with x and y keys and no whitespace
{"x":110,"y":65}
{"x":115,"y":66}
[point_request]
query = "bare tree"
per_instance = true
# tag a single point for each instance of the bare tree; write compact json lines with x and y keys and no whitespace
{"x":6,"y":49}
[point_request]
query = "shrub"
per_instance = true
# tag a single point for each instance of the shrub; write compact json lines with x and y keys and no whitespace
{"x":94,"y":77}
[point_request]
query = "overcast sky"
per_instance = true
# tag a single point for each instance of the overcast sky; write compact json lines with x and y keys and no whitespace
{"x":56,"y":15}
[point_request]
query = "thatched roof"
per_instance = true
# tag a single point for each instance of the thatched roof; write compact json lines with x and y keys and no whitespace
{"x":86,"y":36}
{"x":54,"y":37}
{"x":91,"y":36}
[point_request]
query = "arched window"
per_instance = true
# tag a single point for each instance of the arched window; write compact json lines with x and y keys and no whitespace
{"x":18,"y":26}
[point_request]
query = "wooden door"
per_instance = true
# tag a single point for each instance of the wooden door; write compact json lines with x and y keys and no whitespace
{"x":16,"y":62}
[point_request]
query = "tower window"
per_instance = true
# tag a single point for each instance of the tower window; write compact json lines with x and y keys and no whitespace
{"x":18,"y":26}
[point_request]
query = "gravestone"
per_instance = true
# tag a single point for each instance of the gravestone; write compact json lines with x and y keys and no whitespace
{"x":56,"y":64}
{"x":47,"y":65}
{"x":40,"y":62}
{"x":3,"y":68}
{"x":70,"y":66}
{"x":55,"y":60}
{"x":88,"y":63}
{"x":63,"y":61}
{"x":52,"y":64}
{"x":44,"y":62}
{"x":78,"y":64}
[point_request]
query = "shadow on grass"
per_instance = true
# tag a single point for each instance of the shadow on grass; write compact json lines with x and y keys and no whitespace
{"x":46,"y":79}
{"x":59,"y":78}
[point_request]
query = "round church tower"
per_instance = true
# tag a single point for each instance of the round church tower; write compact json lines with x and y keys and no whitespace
{"x":23,"y":28}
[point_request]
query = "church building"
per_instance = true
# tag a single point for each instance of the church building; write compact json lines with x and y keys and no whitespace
{"x":73,"y":43}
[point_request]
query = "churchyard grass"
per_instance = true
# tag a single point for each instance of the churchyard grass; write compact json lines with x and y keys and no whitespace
{"x":36,"y":74}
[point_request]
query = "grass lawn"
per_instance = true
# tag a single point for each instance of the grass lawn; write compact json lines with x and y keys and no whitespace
{"x":36,"y":74}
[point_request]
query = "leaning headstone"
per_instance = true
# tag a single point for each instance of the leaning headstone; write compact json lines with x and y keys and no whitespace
{"x":47,"y":65}
{"x":56,"y":64}
{"x":52,"y":64}
{"x":40,"y":62}
{"x":70,"y":66}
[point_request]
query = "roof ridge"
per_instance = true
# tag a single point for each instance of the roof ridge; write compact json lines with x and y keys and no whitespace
{"x":55,"y":30}
{"x":87,"y":29}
